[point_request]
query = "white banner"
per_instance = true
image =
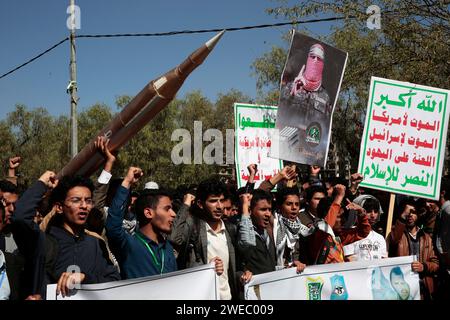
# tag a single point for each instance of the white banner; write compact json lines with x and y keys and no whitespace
{"x":384,"y":279}
{"x":199,"y":283}
{"x":403,"y":145}
{"x":254,"y":127}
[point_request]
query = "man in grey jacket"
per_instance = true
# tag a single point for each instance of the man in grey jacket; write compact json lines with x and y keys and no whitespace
{"x":200,"y":236}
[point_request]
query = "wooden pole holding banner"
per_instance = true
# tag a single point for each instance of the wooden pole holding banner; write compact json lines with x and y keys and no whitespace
{"x":390,"y":214}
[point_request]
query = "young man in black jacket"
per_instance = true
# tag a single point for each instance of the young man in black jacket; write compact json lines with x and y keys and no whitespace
{"x":65,"y":254}
{"x":256,"y":235}
{"x":256,"y":243}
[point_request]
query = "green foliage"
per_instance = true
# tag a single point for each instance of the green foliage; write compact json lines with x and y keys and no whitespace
{"x":29,"y":133}
{"x":43,"y":141}
{"x":269,"y":68}
{"x":7,"y":144}
{"x":412,"y":45}
{"x":224,"y":109}
{"x":91,"y":121}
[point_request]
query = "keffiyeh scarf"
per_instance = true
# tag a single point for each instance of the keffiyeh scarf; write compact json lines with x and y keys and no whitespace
{"x":292,"y":229}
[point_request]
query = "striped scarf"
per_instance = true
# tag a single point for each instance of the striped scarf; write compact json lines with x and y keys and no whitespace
{"x":291,"y":229}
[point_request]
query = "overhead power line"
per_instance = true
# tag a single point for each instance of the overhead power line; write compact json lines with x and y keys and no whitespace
{"x":35,"y":58}
{"x":170,"y":33}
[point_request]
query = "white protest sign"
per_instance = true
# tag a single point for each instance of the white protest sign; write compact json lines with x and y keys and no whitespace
{"x":254,"y":125}
{"x":403,"y":145}
{"x":384,"y":279}
{"x":201,"y":283}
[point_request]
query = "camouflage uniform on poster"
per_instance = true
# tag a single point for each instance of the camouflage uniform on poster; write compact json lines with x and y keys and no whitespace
{"x":306,"y":95}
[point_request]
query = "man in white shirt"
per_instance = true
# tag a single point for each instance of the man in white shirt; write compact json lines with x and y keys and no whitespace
{"x":374,"y":245}
{"x":217,"y":248}
{"x":201,"y":236}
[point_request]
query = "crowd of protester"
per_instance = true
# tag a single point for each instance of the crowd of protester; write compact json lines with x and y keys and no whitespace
{"x":75,"y":231}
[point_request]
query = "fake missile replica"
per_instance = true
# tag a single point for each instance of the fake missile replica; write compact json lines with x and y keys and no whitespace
{"x":156,"y":95}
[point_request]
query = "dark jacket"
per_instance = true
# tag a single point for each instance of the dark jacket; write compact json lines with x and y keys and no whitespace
{"x":442,"y":234}
{"x":134,"y":258}
{"x":190,"y":240}
{"x":259,"y":258}
{"x":306,"y":218}
{"x":49,"y":254}
{"x":398,"y":245}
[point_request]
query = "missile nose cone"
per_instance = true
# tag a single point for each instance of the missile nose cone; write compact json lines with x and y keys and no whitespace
{"x":213,"y":41}
{"x":198,"y":56}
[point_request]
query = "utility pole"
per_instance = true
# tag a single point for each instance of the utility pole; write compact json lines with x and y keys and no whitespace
{"x":72,"y":88}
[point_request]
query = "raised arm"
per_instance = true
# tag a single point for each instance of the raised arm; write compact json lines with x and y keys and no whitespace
{"x":286,"y":174}
{"x":336,"y":205}
{"x":102,"y":184}
{"x":246,"y":235}
{"x":396,"y":234}
{"x":114,"y":230}
{"x":183,"y":222}
{"x":14,"y":163}
{"x":28,"y":202}
{"x":23,"y":226}
{"x":362,"y":228}
{"x":355,"y":180}
{"x":314,"y":172}
{"x":252,"y":170}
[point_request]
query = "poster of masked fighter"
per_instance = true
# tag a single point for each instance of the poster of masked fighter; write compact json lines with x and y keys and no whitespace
{"x":309,"y":89}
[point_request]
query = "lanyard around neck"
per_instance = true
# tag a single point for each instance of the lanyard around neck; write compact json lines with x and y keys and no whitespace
{"x":161,"y":265}
{"x":2,"y":278}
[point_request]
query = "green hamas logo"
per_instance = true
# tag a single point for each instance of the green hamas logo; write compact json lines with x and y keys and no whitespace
{"x":313,"y":134}
{"x":314,"y":288}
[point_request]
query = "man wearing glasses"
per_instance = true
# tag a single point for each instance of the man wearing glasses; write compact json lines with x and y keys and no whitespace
{"x":65,"y":254}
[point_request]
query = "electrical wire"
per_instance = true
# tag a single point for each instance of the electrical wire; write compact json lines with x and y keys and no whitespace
{"x":170,"y":33}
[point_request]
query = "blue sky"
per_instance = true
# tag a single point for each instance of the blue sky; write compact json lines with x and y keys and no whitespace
{"x":111,"y":67}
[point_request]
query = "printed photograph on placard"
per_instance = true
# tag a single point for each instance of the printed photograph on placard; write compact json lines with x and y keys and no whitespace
{"x":308,"y":92}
